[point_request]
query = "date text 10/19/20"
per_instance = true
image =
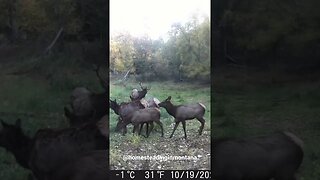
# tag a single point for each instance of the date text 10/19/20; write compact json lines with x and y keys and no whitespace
{"x":158,"y":174}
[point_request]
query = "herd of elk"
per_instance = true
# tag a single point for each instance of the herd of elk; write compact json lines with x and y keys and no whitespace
{"x":135,"y":112}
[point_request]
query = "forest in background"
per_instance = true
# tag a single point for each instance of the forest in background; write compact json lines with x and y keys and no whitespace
{"x":184,"y":56}
{"x":269,"y":35}
{"x":74,"y":29}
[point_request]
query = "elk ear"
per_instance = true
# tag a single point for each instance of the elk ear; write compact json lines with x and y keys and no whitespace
{"x":169,"y":98}
{"x":18,"y":123}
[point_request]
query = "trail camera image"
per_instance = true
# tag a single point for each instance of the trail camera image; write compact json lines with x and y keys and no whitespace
{"x":160,"y":85}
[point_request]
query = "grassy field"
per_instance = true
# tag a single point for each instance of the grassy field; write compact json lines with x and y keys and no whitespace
{"x":195,"y":145}
{"x":257,"y":104}
{"x":37,"y":99}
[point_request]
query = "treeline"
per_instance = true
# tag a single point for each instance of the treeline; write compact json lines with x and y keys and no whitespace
{"x":282,"y":34}
{"x":55,"y":25}
{"x":184,"y":56}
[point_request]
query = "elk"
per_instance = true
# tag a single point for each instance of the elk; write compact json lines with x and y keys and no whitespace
{"x":181,"y":113}
{"x":124,"y":110}
{"x":141,"y":116}
{"x":87,"y":105}
{"x":48,"y":149}
{"x":276,"y":156}
{"x":52,"y":148}
{"x":138,"y":95}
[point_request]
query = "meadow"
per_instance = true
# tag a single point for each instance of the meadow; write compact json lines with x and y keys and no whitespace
{"x":130,"y":144}
{"x":251,"y":104}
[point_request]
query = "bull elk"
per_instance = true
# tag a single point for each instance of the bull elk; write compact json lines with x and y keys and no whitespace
{"x":138,"y":95}
{"x":277,"y":156}
{"x":181,"y":113}
{"x":87,"y":105}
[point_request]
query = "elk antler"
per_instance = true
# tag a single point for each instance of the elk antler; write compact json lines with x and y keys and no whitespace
{"x":144,"y":88}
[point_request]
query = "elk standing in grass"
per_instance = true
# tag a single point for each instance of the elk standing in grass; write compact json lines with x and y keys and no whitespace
{"x":276,"y":156}
{"x":147,"y":115}
{"x":125,"y":110}
{"x":181,"y":113}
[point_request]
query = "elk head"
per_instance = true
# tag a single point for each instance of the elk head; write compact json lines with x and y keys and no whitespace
{"x":137,"y":95}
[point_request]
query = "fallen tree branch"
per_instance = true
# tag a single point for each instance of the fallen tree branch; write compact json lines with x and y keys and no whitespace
{"x":54,"y":41}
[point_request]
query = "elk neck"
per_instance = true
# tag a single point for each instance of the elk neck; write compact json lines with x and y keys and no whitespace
{"x":171,"y":109}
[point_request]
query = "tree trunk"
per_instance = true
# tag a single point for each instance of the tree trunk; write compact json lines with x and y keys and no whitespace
{"x":12,"y":24}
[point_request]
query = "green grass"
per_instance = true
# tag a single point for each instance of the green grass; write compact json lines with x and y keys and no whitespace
{"x":182,"y":93}
{"x":250,"y":105}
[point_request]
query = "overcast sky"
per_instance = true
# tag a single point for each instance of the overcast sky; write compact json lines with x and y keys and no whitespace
{"x":152,"y":17}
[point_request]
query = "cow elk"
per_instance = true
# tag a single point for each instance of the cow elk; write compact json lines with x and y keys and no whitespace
{"x":125,"y":110}
{"x":181,"y":113}
{"x":147,"y":115}
{"x":277,"y":156}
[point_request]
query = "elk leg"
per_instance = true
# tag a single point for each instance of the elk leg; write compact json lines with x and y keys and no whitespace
{"x":140,"y":128}
{"x":147,"y":134}
{"x":174,"y":129}
{"x":184,"y":129}
{"x":160,"y":124}
{"x":124,"y":130}
{"x":151,"y":127}
{"x":135,"y":127}
{"x":202,"y":121}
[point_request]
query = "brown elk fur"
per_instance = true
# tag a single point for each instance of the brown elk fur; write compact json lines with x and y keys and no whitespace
{"x":181,"y":113}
